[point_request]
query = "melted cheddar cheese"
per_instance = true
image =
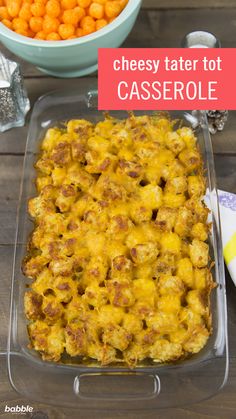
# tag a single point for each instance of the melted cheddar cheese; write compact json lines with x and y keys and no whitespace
{"x":118,"y":258}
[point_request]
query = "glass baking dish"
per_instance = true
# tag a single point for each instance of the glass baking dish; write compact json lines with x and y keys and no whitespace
{"x":90,"y":386}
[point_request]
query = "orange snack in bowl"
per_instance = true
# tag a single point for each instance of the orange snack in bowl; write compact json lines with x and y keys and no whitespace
{"x":7,"y":23}
{"x":84,"y":3}
{"x":58,"y":19}
{"x":66,"y":30}
{"x":53,"y":8}
{"x":19,"y":24}
{"x":22,"y":32}
{"x":25,"y":11}
{"x":36,"y":24}
{"x":88,"y":25}
{"x":40,"y":35}
{"x":31,"y":33}
{"x":4,"y":13}
{"x":50,"y":24}
{"x":13,"y":7}
{"x":39,"y":1}
{"x":38,"y":9}
{"x":80,"y":11}
{"x":53,"y":36}
{"x":73,"y":16}
{"x":112,"y":8}
{"x":101,"y":23}
{"x":68,"y":4}
{"x":96,"y":10}
{"x":123,"y":3}
{"x":79,"y":32}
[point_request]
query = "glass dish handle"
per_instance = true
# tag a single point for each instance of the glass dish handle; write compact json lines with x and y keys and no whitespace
{"x":117,"y":386}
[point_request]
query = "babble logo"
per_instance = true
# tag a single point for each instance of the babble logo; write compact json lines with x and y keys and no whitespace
{"x":18,"y":409}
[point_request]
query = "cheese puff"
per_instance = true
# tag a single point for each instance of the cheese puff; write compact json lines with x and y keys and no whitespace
{"x":53,"y":8}
{"x":101,"y":23}
{"x":36,"y":24}
{"x":40,"y":35}
{"x":66,"y":30}
{"x":50,"y":24}
{"x":112,"y":9}
{"x":96,"y":11}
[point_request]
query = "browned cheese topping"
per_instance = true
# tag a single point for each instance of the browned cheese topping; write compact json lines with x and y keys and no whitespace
{"x":118,"y":257}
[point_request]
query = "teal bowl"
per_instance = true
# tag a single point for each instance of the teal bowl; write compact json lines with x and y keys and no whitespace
{"x":75,"y":57}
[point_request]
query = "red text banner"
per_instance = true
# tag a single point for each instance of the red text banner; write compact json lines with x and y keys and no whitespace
{"x":166,"y":79}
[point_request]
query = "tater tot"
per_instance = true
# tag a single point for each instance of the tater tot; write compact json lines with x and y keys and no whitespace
{"x":120,"y":273}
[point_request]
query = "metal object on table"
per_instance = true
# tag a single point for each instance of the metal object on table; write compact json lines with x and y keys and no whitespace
{"x":4,"y":72}
{"x":14,"y":103}
{"x":217,"y":120}
{"x":202,"y":39}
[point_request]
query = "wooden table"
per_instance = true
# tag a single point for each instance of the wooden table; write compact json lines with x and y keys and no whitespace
{"x":161,"y":23}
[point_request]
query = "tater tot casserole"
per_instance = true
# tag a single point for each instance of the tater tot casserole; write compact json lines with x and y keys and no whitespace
{"x":118,"y":258}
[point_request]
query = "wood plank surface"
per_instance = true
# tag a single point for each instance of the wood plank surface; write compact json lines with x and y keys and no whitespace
{"x":168,"y":27}
{"x":187,"y":4}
